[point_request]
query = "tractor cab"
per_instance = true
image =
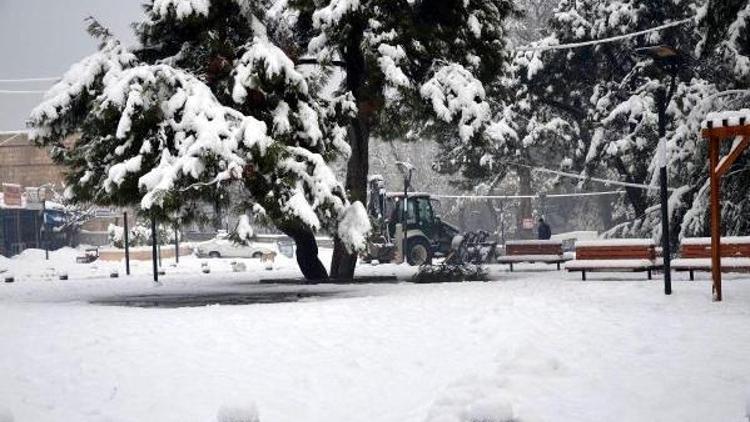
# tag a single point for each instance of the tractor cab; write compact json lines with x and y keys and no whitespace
{"x":421,"y":221}
{"x":426,"y":234}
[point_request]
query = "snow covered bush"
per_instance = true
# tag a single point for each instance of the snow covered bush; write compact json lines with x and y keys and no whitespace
{"x":206,"y":109}
{"x":447,"y":273}
{"x":140,"y":235}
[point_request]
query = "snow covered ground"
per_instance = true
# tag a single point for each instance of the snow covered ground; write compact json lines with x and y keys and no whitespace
{"x":531,"y":346}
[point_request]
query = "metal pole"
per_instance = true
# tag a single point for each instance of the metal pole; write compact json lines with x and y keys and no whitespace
{"x":44,"y":229}
{"x":176,"y":245}
{"x":154,"y":258}
{"x":127,"y":242}
{"x":662,"y":160}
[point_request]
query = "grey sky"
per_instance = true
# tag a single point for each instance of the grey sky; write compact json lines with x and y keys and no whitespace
{"x":42,"y":38}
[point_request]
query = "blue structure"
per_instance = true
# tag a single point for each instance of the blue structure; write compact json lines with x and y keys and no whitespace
{"x":22,"y":229}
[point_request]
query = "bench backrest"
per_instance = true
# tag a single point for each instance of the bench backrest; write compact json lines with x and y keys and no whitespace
{"x":533,"y":247}
{"x":616,"y":249}
{"x":701,"y":247}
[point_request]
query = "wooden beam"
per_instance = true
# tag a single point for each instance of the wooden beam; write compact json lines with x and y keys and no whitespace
{"x":726,"y":132}
{"x":727,"y":161}
{"x":713,"y":156}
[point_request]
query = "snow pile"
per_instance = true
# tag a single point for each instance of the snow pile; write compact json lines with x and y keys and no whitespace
{"x":238,"y":414}
{"x":454,"y":92}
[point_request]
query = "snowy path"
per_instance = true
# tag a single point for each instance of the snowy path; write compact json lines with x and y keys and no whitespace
{"x":537,"y":346}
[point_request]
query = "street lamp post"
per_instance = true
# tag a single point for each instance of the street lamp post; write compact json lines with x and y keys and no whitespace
{"x":669,"y":60}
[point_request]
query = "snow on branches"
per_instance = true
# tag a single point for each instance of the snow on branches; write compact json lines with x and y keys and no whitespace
{"x":456,"y":94}
{"x":164,"y":131}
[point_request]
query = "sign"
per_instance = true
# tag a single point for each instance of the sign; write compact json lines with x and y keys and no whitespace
{"x":527,"y":223}
{"x":12,"y":196}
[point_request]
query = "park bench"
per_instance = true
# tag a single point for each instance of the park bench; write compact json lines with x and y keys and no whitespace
{"x":615,"y":255}
{"x":545,"y":251}
{"x":695,"y":255}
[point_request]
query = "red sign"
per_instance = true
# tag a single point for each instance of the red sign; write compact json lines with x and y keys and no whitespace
{"x":528,"y":223}
{"x":12,"y":195}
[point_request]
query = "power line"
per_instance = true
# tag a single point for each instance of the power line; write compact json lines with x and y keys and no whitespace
{"x":603,"y":40}
{"x":553,"y":195}
{"x":11,"y":92}
{"x":22,"y":80}
{"x":584,"y":178}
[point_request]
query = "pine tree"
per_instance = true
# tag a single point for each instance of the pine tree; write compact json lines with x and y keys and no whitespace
{"x":416,"y":69}
{"x":206,"y":108}
{"x":600,"y":104}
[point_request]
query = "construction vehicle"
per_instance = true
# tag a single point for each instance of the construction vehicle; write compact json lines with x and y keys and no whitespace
{"x":424,"y":235}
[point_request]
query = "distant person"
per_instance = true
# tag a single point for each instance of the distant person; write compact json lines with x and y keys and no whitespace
{"x":544,"y":230}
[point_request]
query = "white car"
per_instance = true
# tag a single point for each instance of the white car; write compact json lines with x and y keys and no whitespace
{"x":222,"y":247}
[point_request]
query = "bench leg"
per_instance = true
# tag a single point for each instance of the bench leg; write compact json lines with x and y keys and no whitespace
{"x":511,"y":267}
{"x":692,"y":275}
{"x":583,"y":275}
{"x":649,"y":274}
{"x":558,"y":266}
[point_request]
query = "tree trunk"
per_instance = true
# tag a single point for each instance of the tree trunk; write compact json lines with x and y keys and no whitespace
{"x":344,"y":262}
{"x":307,"y":253}
{"x":636,"y":196}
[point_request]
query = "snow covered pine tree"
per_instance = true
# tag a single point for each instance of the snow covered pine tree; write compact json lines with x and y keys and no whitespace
{"x":205,"y":107}
{"x":416,"y":69}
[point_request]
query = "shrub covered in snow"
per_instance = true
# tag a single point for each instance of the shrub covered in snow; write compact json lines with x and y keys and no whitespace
{"x":140,"y":235}
{"x":445,"y":273}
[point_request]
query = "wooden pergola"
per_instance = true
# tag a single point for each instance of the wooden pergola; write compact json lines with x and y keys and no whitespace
{"x":720,"y":127}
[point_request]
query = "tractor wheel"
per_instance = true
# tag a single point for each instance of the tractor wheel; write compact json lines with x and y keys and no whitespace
{"x":418,"y":252}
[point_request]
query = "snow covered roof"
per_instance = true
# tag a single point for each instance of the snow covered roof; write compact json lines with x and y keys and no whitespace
{"x":727,"y":118}
{"x":615,"y":242}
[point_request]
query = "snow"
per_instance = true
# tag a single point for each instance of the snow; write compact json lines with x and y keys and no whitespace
{"x":529,"y":346}
{"x":238,"y":414}
{"x":263,"y":60}
{"x":725,"y":240}
{"x":583,"y":264}
{"x":533,"y":242}
{"x":455,"y":93}
{"x":244,"y":229}
{"x":615,"y":242}
{"x":529,"y":258}
{"x":181,"y":8}
{"x":355,"y":226}
{"x":532,"y":346}
{"x":733,"y":118}
{"x":726,"y":262}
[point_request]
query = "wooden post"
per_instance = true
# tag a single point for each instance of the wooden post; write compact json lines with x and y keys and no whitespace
{"x":713,"y":160}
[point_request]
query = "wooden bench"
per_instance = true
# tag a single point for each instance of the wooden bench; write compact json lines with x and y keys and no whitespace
{"x":695,"y":255}
{"x":546,"y":251}
{"x":615,"y":255}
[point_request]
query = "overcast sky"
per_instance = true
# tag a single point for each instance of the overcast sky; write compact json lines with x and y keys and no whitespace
{"x":42,"y":38}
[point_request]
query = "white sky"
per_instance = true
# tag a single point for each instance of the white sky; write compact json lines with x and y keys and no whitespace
{"x":42,"y":38}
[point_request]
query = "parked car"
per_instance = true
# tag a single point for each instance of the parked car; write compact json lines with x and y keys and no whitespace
{"x":222,"y":247}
